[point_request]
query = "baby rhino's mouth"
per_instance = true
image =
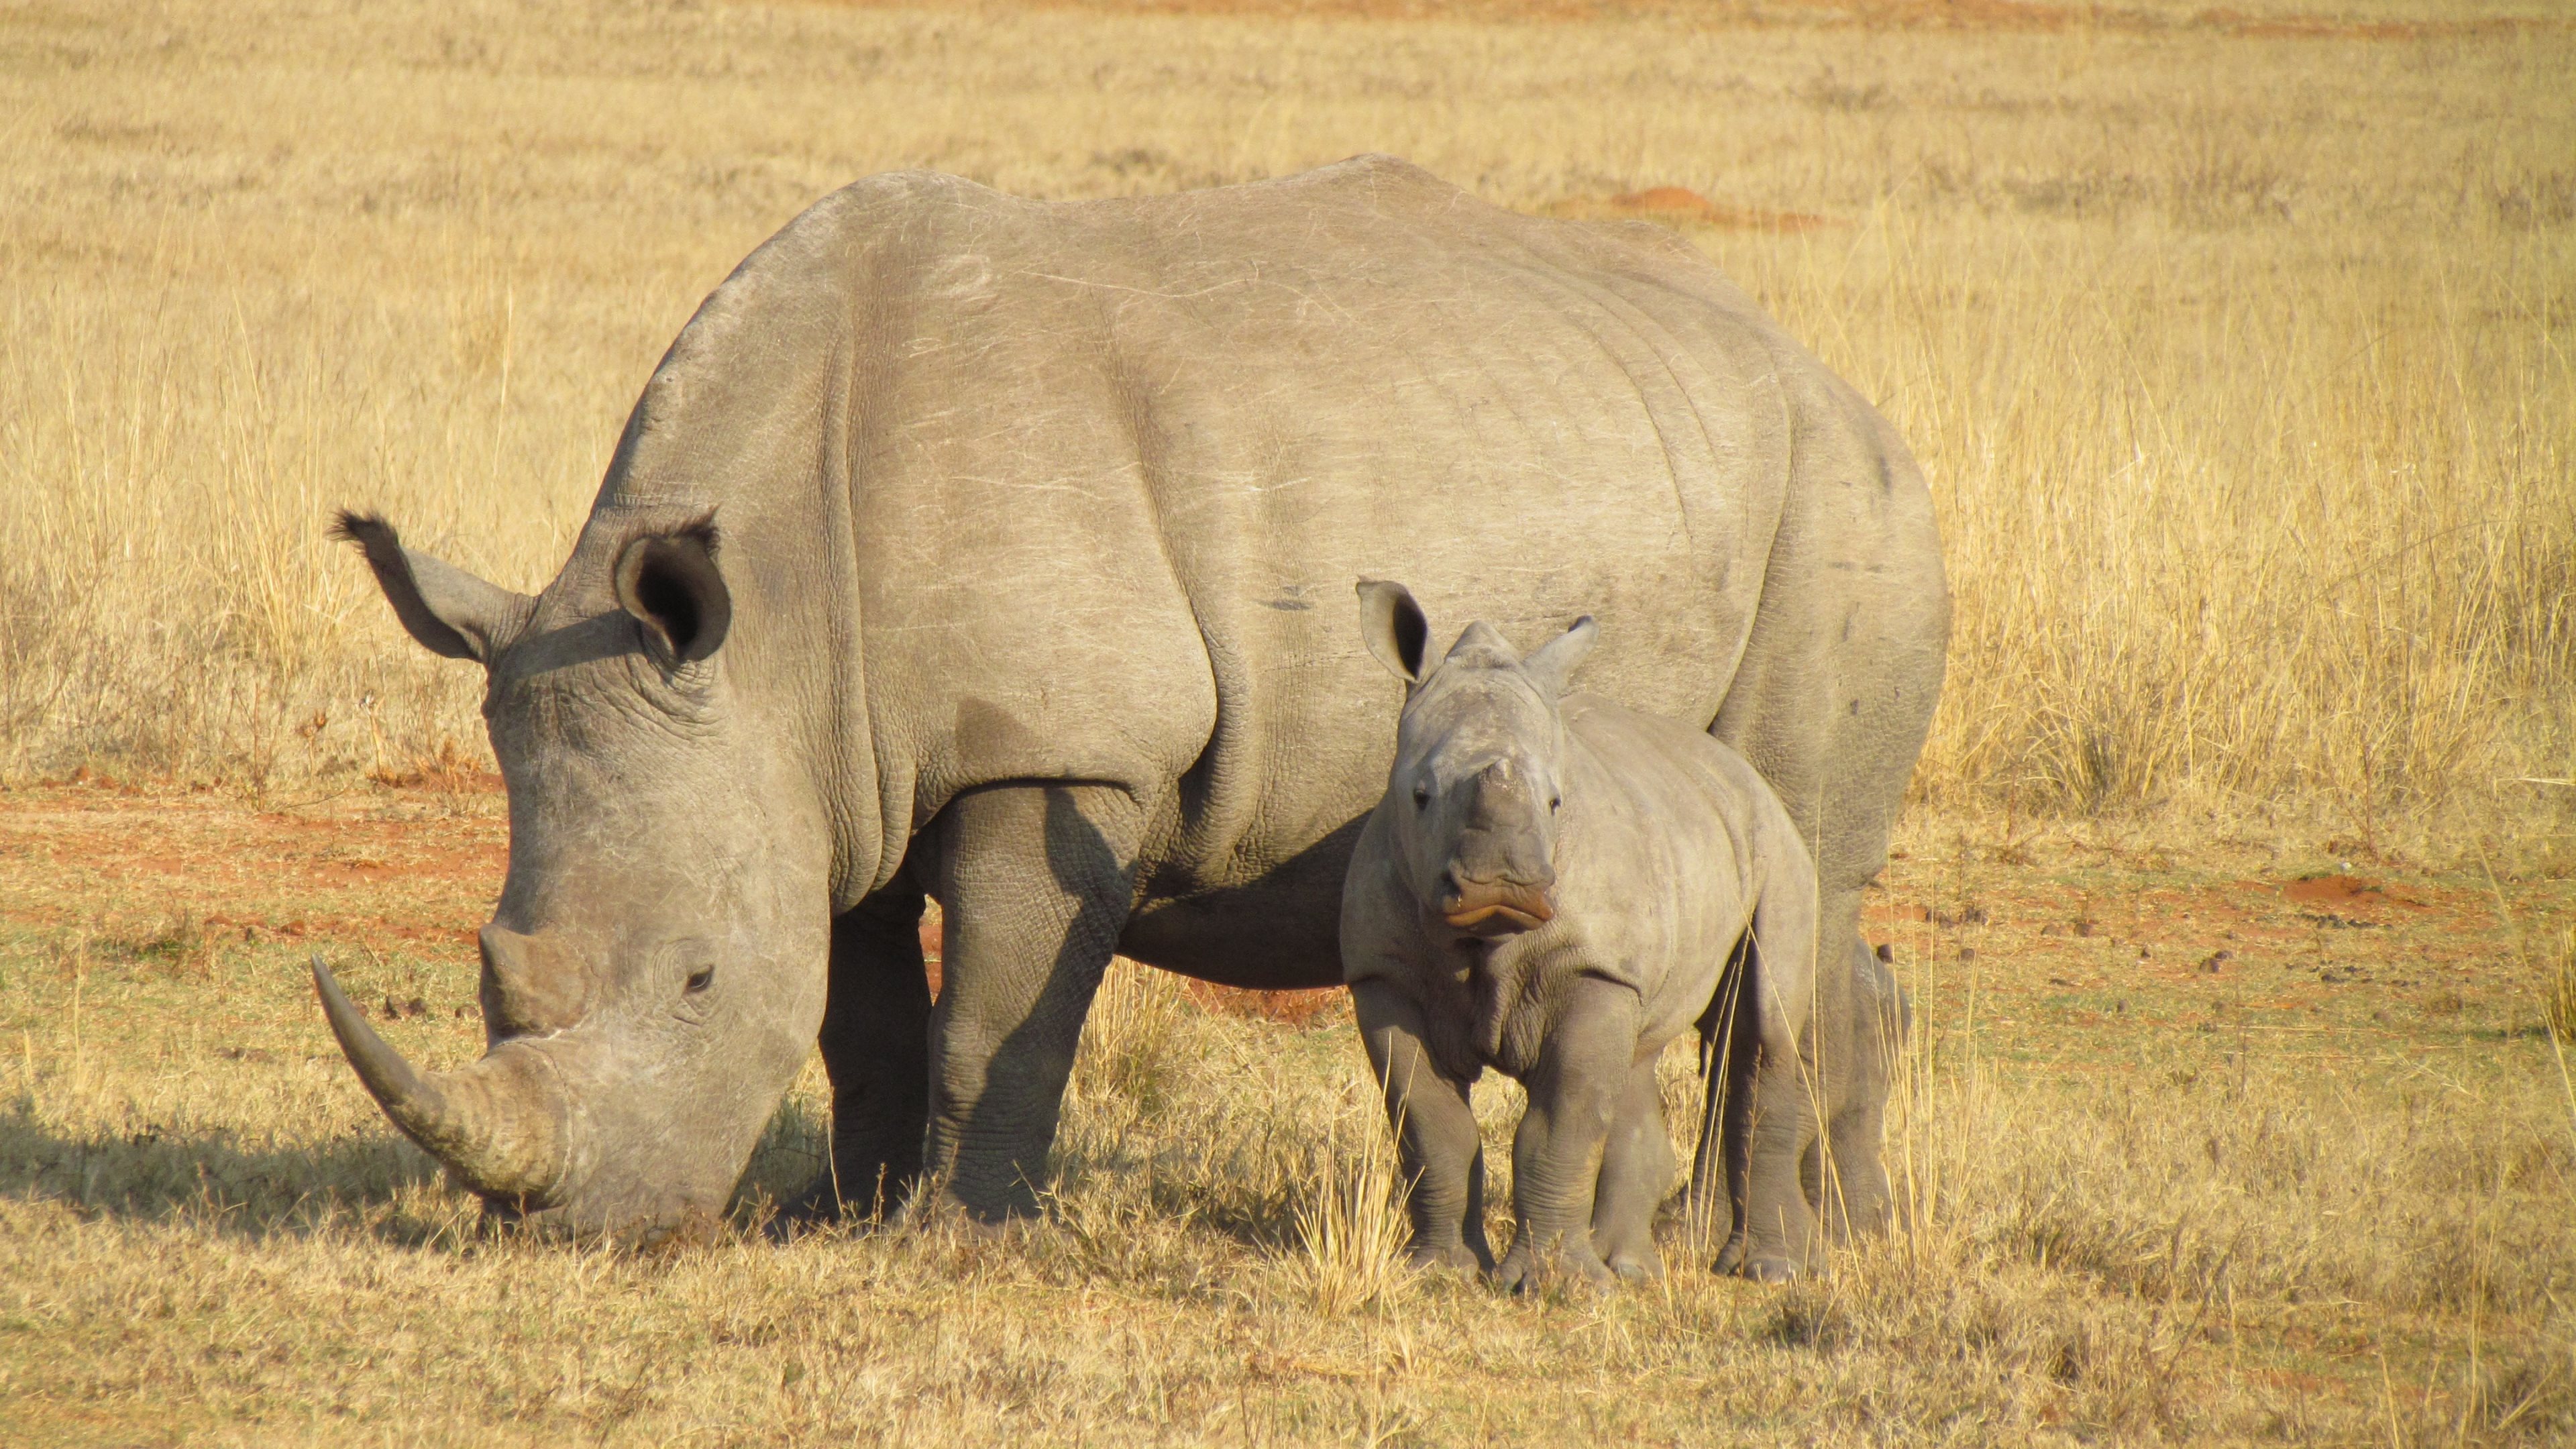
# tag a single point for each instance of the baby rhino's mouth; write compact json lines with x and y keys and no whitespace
{"x":1500,"y":910}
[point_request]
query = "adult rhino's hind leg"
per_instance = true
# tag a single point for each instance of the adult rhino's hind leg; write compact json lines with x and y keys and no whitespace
{"x":1875,"y":1031}
{"x":875,"y":1044}
{"x":1034,"y":882}
{"x":1831,"y":701}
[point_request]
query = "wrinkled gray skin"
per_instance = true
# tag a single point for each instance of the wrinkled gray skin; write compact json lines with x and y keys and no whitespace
{"x":999,"y":551}
{"x":1554,"y":890}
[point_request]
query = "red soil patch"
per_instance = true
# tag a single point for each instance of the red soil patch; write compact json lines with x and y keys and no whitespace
{"x":1289,"y":1008}
{"x":1682,"y":206}
{"x":2332,"y":890}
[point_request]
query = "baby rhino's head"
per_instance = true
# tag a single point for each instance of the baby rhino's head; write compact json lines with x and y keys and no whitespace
{"x":1478,"y":760}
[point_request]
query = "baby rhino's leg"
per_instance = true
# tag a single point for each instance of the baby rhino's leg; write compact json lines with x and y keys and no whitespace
{"x":1438,"y":1150}
{"x":1574,"y":1095}
{"x":1636,"y":1170}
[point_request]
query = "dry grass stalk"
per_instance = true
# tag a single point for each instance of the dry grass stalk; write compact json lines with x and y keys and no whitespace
{"x":2557,"y":987}
{"x":1351,"y":1228}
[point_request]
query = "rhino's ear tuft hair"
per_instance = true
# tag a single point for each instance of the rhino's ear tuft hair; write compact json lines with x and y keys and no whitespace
{"x":450,"y":611}
{"x":670,"y":583}
{"x":1554,"y":662}
{"x":1393,"y":627}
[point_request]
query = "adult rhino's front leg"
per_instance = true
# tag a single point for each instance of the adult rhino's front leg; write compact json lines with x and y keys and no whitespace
{"x":876,"y":1049}
{"x":1034,"y":883}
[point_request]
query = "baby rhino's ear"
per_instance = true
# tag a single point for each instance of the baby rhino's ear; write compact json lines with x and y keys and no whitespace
{"x":1393,"y":627}
{"x":1554,"y":662}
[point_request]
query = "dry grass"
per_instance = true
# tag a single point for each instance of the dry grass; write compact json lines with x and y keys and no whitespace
{"x":2314,"y":1195}
{"x":2240,"y":364}
{"x":2556,"y":986}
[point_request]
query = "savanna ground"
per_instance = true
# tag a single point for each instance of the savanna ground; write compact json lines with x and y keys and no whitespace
{"x":2236,"y":348}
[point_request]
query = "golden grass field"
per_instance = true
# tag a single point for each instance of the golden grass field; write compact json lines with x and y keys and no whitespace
{"x":2236,"y":345}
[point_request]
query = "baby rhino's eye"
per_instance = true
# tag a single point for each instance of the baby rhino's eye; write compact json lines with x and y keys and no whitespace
{"x":1421,"y":796}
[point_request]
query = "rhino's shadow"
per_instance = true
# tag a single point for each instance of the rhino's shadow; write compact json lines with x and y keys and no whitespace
{"x":219,"y":1177}
{"x":226,"y":1181}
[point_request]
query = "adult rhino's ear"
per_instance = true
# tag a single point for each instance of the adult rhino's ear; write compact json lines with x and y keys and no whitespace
{"x":1393,"y":627}
{"x":450,"y":611}
{"x":1554,"y":662}
{"x":670,"y":583}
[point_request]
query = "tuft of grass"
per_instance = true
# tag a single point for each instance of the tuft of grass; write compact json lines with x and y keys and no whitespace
{"x":1127,"y":1054}
{"x":2556,"y":987}
{"x":1351,"y":1228}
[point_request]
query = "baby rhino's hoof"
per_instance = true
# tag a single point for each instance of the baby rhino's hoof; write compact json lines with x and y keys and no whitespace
{"x":1454,"y":1258}
{"x":1770,"y":1270}
{"x":1643,"y":1267}
{"x":1521,"y":1272}
{"x":1734,"y":1262}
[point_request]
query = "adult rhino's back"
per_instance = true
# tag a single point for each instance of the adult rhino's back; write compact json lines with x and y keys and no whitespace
{"x":1116,"y":464}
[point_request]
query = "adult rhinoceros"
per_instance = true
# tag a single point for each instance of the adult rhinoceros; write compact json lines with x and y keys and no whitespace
{"x":1002,"y":551}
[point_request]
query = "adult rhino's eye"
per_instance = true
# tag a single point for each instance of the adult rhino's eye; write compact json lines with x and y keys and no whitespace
{"x":699,"y":980}
{"x":1554,"y":801}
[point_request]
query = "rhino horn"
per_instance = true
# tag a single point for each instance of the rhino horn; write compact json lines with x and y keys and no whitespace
{"x":498,"y":1125}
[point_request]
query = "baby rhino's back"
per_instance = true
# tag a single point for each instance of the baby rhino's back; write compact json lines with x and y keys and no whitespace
{"x":1662,"y":851}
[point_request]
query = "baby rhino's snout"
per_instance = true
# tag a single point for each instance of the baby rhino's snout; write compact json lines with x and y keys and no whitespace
{"x":1500,"y":879}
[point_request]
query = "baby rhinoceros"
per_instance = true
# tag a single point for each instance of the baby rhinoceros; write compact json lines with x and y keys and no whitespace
{"x":1558,"y":887}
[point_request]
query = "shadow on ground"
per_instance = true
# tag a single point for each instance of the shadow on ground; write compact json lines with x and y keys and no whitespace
{"x":212,"y":1177}
{"x":369,"y":1180}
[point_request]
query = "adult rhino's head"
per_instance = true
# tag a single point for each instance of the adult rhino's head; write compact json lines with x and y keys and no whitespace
{"x":653,"y":973}
{"x":1478,"y":758}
